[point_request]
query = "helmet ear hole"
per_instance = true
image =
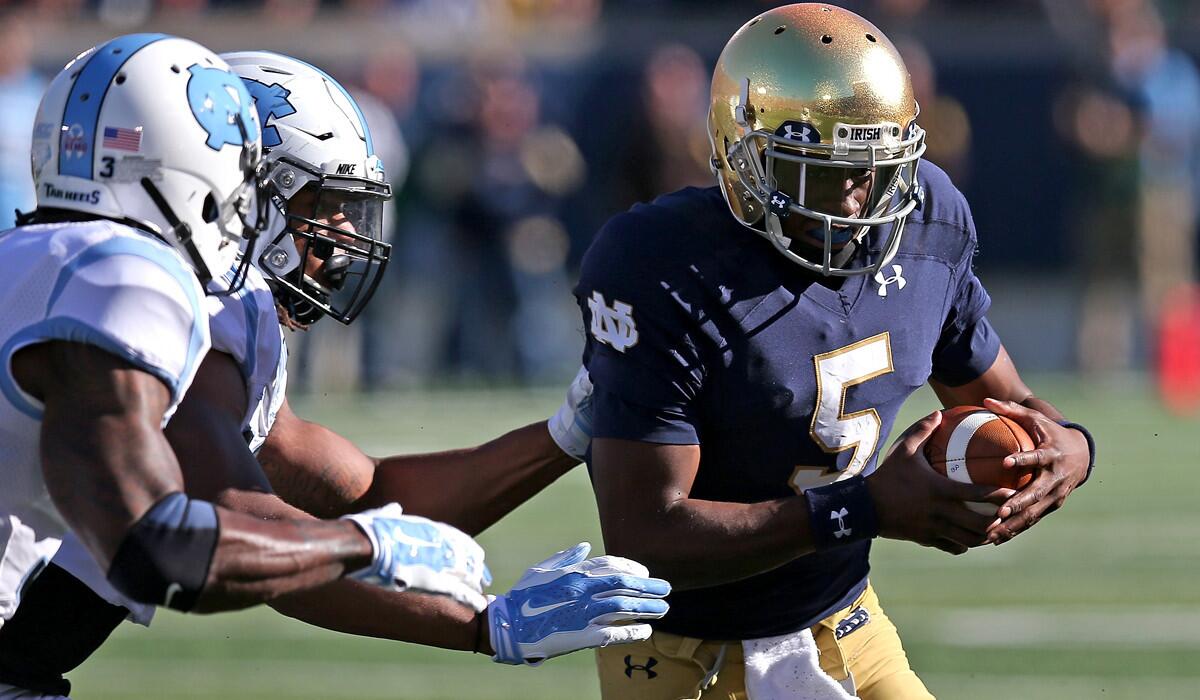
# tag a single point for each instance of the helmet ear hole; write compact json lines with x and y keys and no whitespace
{"x":209,"y":210}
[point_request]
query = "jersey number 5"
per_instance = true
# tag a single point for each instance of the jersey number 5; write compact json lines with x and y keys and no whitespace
{"x":833,"y":429}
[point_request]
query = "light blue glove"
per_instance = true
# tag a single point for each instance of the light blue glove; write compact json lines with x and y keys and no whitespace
{"x":567,"y":603}
{"x":415,"y":553}
{"x":571,"y":426}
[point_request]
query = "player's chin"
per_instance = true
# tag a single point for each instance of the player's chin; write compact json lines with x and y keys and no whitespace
{"x":812,"y":237}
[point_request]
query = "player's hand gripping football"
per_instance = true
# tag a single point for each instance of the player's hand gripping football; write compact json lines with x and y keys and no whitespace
{"x":1060,"y":454}
{"x":913,"y":502}
{"x":415,"y":553}
{"x":568,"y":602}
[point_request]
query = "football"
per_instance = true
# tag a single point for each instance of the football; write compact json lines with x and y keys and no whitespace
{"x":970,"y":446}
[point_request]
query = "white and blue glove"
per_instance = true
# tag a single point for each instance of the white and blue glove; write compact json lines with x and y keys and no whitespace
{"x":418,"y":554}
{"x":571,"y":426}
{"x":569,"y":602}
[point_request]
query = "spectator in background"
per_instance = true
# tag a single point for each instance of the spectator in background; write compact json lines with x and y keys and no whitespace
{"x":20,"y":93}
{"x":490,"y":182}
{"x":1136,"y":120}
{"x":669,"y":149}
{"x":1165,"y":87}
{"x":944,"y":118}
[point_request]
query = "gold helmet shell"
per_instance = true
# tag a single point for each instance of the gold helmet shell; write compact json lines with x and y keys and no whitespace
{"x":801,"y":89}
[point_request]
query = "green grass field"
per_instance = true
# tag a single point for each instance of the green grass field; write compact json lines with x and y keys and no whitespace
{"x":1098,"y":601}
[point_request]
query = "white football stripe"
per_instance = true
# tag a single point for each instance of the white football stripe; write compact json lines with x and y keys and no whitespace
{"x":956,"y":448}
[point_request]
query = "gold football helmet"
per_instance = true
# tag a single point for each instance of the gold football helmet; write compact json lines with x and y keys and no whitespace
{"x":807,"y":95}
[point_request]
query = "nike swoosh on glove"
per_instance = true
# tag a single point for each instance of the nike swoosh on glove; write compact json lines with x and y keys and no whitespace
{"x":569,"y":602}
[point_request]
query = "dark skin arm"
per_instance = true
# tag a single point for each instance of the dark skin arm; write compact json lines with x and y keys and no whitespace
{"x":205,"y":433}
{"x":106,"y":462}
{"x":320,"y":471}
{"x":1061,"y":454}
{"x":642,"y":491}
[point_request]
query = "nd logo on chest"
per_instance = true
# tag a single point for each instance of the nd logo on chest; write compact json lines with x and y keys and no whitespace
{"x":612,"y":325}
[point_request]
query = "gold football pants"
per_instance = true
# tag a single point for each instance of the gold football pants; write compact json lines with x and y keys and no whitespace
{"x":671,"y":667}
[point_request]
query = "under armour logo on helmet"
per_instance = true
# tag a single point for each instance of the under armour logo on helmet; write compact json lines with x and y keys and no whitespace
{"x":780,"y":204}
{"x":630,"y":667}
{"x":799,"y":131}
{"x":840,"y":515}
{"x":896,"y":279}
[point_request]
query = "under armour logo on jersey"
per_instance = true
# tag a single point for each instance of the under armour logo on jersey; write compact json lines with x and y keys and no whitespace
{"x":270,"y":101}
{"x":613,"y":326}
{"x":799,"y":131}
{"x":897,"y":278}
{"x":630,"y":667}
{"x":219,"y":101}
{"x":840,"y":515}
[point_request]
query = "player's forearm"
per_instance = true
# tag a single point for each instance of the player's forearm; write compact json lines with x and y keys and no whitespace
{"x":355,"y":608}
{"x":471,"y":488}
{"x":695,"y":543}
{"x":258,"y":560}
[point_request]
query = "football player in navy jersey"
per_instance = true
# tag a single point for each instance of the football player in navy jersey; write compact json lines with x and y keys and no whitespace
{"x":750,"y":345}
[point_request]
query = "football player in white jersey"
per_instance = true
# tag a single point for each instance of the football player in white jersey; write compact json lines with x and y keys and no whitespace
{"x":321,"y":161}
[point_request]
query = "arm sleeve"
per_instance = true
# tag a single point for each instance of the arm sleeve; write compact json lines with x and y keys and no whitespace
{"x":137,"y":300}
{"x":968,"y":344}
{"x":645,"y":368}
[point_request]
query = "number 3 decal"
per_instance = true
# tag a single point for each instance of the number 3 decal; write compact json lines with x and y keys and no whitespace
{"x":833,"y":429}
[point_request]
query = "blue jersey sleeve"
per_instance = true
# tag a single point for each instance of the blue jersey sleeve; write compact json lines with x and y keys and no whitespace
{"x":968,"y":344}
{"x":639,"y":350}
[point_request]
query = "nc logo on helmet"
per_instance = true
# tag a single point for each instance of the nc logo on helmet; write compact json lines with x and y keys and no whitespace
{"x":218,"y":98}
{"x":270,"y":101}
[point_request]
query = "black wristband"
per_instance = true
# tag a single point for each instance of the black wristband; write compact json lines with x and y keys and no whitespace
{"x":841,"y":513}
{"x":1091,"y":443}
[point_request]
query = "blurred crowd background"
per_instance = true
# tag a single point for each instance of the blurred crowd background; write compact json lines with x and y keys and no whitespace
{"x":514,"y":128}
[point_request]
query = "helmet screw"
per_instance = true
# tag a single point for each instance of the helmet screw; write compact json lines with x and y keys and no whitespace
{"x":278,"y":258}
{"x":287,"y":178}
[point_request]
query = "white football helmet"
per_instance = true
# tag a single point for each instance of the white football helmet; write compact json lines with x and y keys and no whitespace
{"x":322,"y":162}
{"x":156,"y":131}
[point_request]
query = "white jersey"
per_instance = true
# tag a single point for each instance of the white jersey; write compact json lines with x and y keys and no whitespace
{"x":100,"y":283}
{"x":244,"y":326}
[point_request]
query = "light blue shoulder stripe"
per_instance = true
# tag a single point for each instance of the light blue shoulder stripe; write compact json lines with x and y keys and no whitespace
{"x":164,"y":258}
{"x":74,"y":331}
{"x":87,"y":97}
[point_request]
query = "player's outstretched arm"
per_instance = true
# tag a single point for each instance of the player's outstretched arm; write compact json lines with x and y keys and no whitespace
{"x":315,"y":469}
{"x":112,"y":474}
{"x":647,"y":513}
{"x":1063,"y":455}
{"x":563,"y":604}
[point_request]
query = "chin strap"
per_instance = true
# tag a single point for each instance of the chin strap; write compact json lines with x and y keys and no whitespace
{"x":179,"y":229}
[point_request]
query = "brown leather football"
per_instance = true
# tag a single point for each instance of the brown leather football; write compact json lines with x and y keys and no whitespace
{"x":970,"y":446}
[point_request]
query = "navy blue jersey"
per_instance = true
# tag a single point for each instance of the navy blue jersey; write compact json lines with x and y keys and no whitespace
{"x":699,"y":332}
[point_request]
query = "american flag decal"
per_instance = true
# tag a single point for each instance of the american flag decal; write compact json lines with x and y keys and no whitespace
{"x":122,"y":139}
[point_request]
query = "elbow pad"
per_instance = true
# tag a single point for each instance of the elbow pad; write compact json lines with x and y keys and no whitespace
{"x":165,"y":556}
